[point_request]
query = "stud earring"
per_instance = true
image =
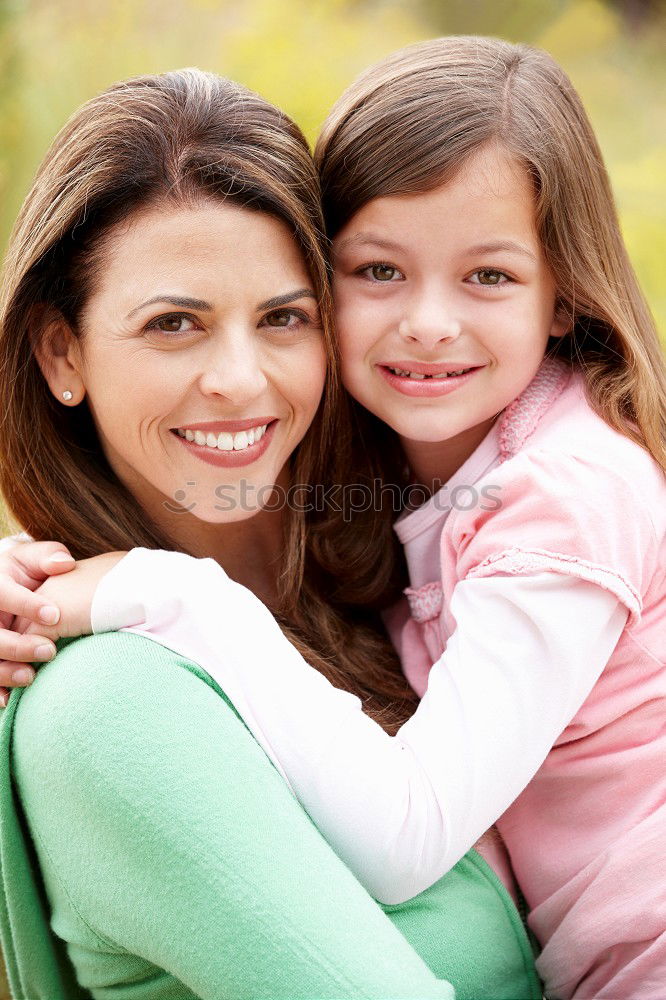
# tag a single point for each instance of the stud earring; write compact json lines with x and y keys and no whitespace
{"x":67,"y":395}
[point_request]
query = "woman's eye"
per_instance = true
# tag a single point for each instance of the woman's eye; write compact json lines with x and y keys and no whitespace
{"x":285,"y":318}
{"x":489,"y":276}
{"x":173,"y":323}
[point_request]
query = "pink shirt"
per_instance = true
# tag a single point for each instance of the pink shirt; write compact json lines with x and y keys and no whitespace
{"x":587,"y":837}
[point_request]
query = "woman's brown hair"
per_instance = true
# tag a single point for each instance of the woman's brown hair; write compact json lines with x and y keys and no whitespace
{"x":407,"y":125}
{"x":173,"y":138}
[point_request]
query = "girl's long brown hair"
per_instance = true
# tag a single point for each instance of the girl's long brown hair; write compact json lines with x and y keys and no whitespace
{"x":407,"y":125}
{"x":174,"y":138}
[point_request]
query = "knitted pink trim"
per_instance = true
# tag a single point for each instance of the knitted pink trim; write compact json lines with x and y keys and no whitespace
{"x":522,"y":416}
{"x":425,"y":603}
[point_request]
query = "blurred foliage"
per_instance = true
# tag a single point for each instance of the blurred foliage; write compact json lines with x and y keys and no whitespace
{"x":302,"y":53}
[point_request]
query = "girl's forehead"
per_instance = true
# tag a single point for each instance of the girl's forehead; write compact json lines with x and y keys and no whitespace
{"x":491,"y":191}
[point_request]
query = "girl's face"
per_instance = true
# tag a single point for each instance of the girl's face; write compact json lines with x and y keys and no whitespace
{"x":202,"y":358}
{"x":445,"y":304}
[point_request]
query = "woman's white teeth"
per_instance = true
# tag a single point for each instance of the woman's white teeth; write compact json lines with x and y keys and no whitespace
{"x":224,"y":441}
{"x":418,"y":375}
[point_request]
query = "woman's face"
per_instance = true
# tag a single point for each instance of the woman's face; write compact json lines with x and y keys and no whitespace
{"x":202,"y":358}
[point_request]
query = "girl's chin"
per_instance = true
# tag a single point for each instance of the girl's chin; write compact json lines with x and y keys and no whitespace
{"x":426,"y":433}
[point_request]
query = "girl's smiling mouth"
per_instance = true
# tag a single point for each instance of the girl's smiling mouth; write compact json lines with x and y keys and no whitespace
{"x":228,"y":443}
{"x":418,"y":379}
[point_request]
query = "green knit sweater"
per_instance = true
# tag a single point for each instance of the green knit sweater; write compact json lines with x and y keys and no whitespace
{"x":148,"y":850}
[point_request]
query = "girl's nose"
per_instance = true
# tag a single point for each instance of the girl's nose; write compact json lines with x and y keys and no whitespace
{"x":234,"y":370}
{"x":430,"y":321}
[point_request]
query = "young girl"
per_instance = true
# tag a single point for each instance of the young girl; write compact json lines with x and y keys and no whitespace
{"x":492,"y":328}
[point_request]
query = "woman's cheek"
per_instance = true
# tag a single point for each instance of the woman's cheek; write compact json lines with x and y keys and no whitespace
{"x":307,"y":375}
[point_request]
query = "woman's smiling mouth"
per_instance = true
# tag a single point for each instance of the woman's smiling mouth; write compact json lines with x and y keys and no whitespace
{"x":228,"y":443}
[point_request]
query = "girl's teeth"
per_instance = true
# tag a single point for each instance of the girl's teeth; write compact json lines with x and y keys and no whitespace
{"x":418,"y":376}
{"x":225,"y":441}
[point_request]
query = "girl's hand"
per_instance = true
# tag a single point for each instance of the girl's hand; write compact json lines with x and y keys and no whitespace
{"x":73,"y":595}
{"x":23,"y":568}
{"x":71,"y":598}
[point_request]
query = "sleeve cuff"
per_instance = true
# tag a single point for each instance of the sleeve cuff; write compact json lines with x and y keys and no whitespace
{"x":146,"y":582}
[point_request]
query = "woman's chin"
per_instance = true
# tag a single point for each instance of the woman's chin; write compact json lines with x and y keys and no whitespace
{"x":225,"y":504}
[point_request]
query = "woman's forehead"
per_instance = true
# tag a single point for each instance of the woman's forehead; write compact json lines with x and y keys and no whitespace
{"x":207,"y":246}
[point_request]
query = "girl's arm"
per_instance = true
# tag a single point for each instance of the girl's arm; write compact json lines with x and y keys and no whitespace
{"x":168,"y":842}
{"x":399,"y":811}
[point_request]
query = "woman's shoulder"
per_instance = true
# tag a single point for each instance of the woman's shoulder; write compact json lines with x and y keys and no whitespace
{"x":103,"y":690}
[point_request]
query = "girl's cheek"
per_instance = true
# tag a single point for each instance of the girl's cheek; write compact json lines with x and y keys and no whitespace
{"x":358,"y":318}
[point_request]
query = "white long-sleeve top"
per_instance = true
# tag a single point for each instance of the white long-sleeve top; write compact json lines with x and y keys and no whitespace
{"x":400,"y":811}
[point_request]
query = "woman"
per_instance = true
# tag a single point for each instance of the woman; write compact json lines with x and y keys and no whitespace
{"x":165,"y":333}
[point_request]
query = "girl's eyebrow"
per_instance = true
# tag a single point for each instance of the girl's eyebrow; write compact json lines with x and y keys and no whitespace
{"x":499,"y":246}
{"x":367,"y":239}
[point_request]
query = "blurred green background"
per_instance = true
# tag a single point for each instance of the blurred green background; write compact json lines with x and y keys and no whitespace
{"x":302,"y":53}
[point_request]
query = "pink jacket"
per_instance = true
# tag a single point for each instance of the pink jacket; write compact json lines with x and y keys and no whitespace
{"x":587,"y":837}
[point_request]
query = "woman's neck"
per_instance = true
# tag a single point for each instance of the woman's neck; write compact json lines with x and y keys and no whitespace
{"x":249,"y":551}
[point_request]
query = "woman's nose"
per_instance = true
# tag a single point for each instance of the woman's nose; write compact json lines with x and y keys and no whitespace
{"x":430,"y":320}
{"x":234,"y":369}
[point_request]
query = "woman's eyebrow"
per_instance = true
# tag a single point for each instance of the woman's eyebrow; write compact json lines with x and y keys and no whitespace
{"x":283,"y":300}
{"x":183,"y":302}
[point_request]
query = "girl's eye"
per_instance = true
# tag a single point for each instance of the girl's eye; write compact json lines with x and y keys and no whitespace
{"x":489,"y":276}
{"x":173,"y":323}
{"x":381,"y":272}
{"x":285,"y":319}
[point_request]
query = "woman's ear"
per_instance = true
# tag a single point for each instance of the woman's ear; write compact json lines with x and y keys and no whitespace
{"x":58,"y":354}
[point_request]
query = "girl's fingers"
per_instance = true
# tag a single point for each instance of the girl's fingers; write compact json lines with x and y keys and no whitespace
{"x":15,"y":675}
{"x":4,"y":697}
{"x":39,"y":560}
{"x":22,"y":649}
{"x":56,"y":559}
{"x":22,"y":603}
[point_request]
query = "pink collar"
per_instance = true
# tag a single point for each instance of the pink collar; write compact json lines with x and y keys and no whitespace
{"x":521,"y":417}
